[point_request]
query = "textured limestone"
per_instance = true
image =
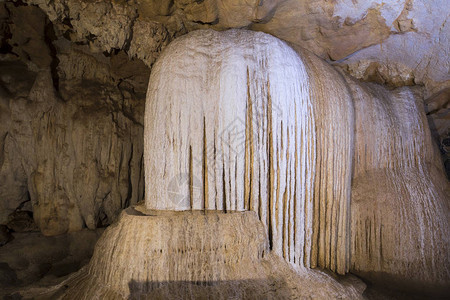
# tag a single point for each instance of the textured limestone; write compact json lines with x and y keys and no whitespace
{"x":82,"y":80}
{"x":418,"y":53}
{"x":395,"y":43}
{"x":149,"y":39}
{"x":232,"y":134}
{"x":400,"y":198}
{"x":407,"y":40}
{"x":336,"y":30}
{"x":172,"y":255}
{"x":76,"y":158}
{"x":105,"y":24}
{"x":52,"y":92}
{"x":253,"y":140}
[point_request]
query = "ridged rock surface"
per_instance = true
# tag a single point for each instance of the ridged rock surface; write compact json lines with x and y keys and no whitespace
{"x":245,"y":123}
{"x":396,"y":42}
{"x":193,"y":255}
{"x":71,"y":126}
{"x":230,"y":121}
{"x":75,"y":159}
{"x":400,"y":197}
{"x":108,"y":42}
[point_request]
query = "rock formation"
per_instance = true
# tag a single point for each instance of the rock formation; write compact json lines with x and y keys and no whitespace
{"x":76,"y":160}
{"x":104,"y":41}
{"x":173,"y":255}
{"x":400,"y":197}
{"x":73,"y":77}
{"x":253,"y":140}
{"x":246,"y":166}
{"x":70,"y":137}
{"x":257,"y":127}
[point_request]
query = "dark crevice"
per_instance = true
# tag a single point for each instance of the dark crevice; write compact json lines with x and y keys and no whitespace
{"x":66,"y":34}
{"x":49,"y":37}
{"x":113,"y":51}
{"x":91,"y":37}
{"x":270,"y":165}
{"x":130,"y":182}
{"x":216,"y":21}
{"x":205,"y":168}
{"x":2,"y":148}
{"x":18,"y":3}
{"x":125,"y":110}
{"x":4,"y":46}
{"x":22,"y":204}
{"x":102,"y":219}
{"x":127,"y":43}
{"x":66,"y":21}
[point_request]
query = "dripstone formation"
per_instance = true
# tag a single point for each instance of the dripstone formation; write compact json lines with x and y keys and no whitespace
{"x":261,"y":163}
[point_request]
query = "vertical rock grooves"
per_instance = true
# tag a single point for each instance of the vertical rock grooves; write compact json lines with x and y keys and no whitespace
{"x":238,"y":111}
{"x":400,"y":206}
{"x":333,"y":113}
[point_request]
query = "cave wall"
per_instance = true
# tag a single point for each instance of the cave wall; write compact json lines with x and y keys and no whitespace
{"x":69,"y":68}
{"x":71,"y":131}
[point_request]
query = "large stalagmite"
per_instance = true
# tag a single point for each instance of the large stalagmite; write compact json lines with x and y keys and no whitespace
{"x":256,"y":153}
{"x":233,"y":115}
{"x":249,"y":124}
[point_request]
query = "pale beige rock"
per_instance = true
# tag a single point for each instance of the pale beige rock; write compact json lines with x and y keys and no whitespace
{"x":170,"y":255}
{"x":334,"y":119}
{"x":202,"y":12}
{"x":312,"y":25}
{"x":380,"y":140}
{"x":253,"y":140}
{"x":418,"y":54}
{"x":407,"y":40}
{"x":400,"y":197}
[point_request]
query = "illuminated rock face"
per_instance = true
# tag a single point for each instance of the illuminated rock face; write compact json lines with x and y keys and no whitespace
{"x":399,"y":214}
{"x":255,"y":153}
{"x":192,"y":255}
{"x":233,"y":117}
{"x":239,"y":121}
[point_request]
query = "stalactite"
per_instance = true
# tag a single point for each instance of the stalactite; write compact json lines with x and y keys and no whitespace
{"x":295,"y":141}
{"x":243,"y":102}
{"x":244,"y":122}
